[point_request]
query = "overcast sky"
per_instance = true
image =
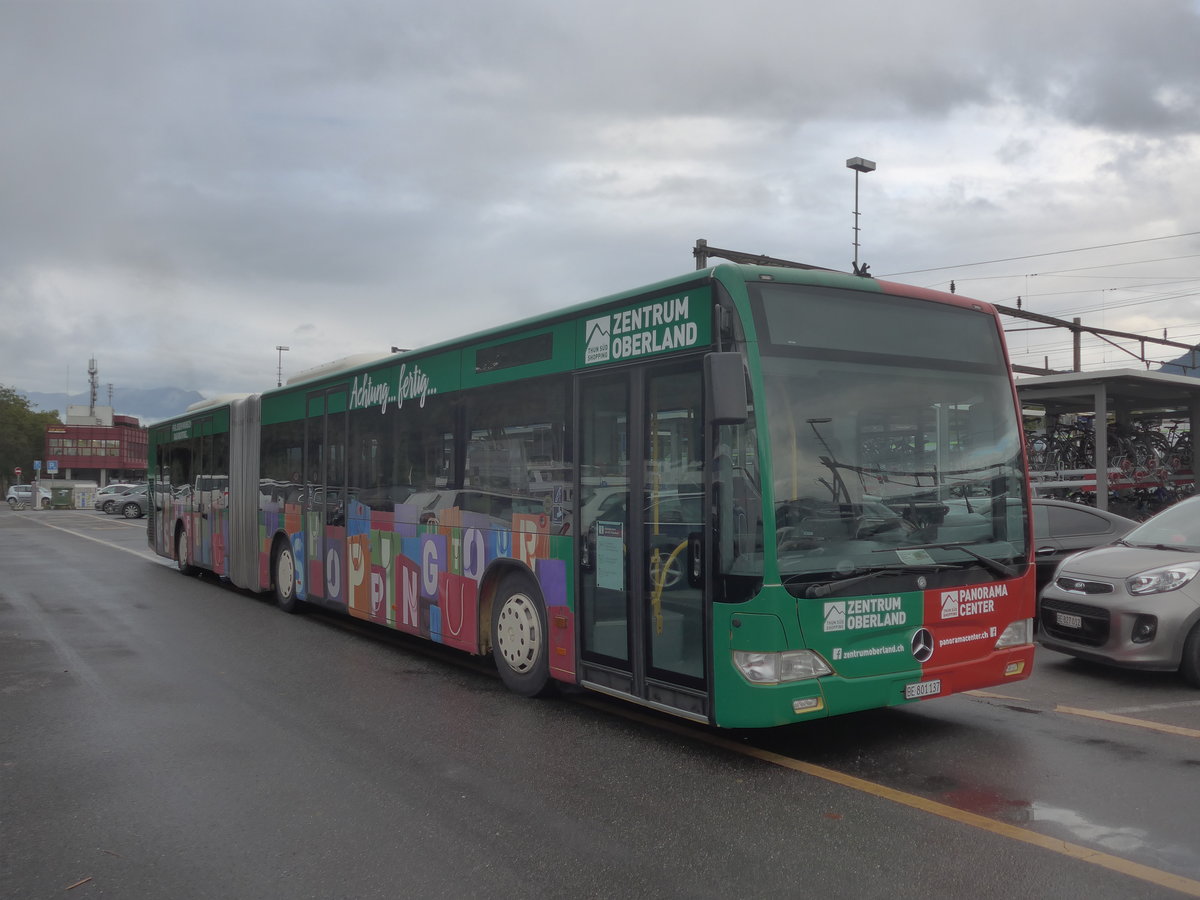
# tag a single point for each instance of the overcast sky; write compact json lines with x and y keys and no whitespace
{"x":186,"y":185}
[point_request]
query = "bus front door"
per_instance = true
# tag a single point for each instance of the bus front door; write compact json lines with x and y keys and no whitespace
{"x":643,"y":625}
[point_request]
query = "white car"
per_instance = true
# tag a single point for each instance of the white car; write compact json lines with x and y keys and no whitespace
{"x":22,"y":494}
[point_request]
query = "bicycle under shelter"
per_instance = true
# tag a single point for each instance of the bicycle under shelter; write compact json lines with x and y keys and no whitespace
{"x":1120,"y":431}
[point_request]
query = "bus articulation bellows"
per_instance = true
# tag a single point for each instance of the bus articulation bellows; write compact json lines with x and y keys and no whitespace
{"x":748,"y":496}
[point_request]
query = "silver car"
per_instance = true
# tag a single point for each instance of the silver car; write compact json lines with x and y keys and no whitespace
{"x":131,"y":504}
{"x":1135,"y":603}
{"x":104,"y":496}
{"x":22,"y":495}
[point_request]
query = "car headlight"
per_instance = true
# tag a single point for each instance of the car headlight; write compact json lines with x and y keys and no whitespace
{"x":1163,"y":579}
{"x":773,"y":668}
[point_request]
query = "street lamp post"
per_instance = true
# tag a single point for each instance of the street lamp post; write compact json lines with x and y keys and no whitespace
{"x":279,"y":371}
{"x":858,"y":164}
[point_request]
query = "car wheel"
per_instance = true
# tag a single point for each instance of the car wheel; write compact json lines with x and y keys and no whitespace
{"x":45,"y":503}
{"x":131,"y":511}
{"x":520,"y":639}
{"x":107,"y":507}
{"x":283,"y":570}
{"x":12,"y":502}
{"x":1189,"y":666}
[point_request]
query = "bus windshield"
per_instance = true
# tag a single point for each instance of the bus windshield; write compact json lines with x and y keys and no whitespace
{"x":894,"y":441}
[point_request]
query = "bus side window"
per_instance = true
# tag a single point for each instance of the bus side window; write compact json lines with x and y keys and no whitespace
{"x":517,"y":453}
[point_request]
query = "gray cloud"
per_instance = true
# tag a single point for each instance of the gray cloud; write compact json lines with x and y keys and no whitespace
{"x":244,"y":175}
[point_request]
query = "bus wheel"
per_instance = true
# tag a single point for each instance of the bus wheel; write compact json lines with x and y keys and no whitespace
{"x":283,"y":571}
{"x":181,"y":553}
{"x":520,"y":639}
{"x":1190,"y":664}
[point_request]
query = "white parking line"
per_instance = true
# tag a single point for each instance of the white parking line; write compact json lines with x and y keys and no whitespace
{"x":143,"y":554}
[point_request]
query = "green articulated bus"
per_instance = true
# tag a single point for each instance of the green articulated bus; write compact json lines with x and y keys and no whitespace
{"x":748,"y":496}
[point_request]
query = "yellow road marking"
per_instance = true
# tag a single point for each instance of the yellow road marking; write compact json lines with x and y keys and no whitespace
{"x":1127,"y":720}
{"x":1102,"y":716}
{"x":1188,"y":886}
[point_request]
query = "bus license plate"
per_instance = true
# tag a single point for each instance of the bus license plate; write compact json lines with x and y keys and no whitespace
{"x":922,"y":689}
{"x":1066,"y":620}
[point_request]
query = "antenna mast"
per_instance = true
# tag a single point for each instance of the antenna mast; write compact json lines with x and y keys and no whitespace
{"x":94,"y":380}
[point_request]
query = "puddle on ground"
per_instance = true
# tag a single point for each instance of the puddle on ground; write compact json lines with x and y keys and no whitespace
{"x":1120,"y":840}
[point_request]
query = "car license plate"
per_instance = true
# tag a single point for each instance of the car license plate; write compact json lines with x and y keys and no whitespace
{"x":1066,"y":620}
{"x":922,"y":689}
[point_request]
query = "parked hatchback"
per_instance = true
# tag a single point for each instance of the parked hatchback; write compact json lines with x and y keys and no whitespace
{"x":20,"y":494}
{"x":1135,"y":603}
{"x":131,"y":504}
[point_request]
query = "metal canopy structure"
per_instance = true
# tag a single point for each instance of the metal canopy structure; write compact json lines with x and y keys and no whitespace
{"x":1127,"y":394}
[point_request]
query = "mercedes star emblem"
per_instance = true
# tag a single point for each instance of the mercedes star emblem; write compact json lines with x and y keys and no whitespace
{"x":922,"y":645}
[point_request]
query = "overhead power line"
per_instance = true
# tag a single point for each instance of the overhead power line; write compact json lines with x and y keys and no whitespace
{"x":1131,"y":262}
{"x":1039,"y":255}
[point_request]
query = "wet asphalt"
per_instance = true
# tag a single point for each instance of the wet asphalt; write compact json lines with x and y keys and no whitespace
{"x":169,"y":736}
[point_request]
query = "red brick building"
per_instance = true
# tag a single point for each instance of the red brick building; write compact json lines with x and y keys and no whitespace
{"x":96,"y":452}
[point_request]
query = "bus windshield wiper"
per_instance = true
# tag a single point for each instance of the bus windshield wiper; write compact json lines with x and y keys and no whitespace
{"x":992,"y":565}
{"x":829,"y":587}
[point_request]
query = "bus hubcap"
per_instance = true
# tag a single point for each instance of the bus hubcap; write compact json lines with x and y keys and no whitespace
{"x":517,"y":633}
{"x":286,"y":574}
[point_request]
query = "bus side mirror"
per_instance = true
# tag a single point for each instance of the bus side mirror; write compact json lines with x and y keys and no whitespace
{"x":725,"y":388}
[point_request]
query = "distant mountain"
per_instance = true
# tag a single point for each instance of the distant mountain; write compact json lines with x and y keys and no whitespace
{"x":149,"y":405}
{"x":1187,"y":364}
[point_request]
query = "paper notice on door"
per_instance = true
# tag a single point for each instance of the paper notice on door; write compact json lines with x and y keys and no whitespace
{"x":610,"y":555}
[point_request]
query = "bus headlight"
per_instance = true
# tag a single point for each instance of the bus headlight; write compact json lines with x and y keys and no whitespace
{"x":773,"y":668}
{"x":1017,"y":633}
